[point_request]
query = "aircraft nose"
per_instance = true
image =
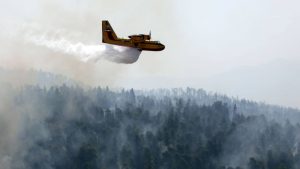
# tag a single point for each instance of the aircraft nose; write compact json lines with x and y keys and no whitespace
{"x":162,"y":46}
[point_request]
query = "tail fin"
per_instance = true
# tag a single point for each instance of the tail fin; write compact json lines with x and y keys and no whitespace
{"x":107,"y":32}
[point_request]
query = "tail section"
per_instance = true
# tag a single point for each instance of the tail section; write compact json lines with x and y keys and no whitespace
{"x":107,"y":32}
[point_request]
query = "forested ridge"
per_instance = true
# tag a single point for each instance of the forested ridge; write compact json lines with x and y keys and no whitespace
{"x":70,"y":127}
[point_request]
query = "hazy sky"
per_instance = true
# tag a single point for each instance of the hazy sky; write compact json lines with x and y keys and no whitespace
{"x":237,"y":47}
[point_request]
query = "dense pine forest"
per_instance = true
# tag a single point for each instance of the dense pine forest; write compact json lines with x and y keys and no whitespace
{"x":67,"y":127}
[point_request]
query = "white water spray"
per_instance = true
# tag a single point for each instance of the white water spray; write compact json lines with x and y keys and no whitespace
{"x":84,"y":52}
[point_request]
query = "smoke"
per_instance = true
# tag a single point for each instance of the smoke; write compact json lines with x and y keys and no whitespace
{"x":84,"y":52}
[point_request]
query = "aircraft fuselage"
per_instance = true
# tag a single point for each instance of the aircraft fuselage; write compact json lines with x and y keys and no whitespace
{"x":140,"y":42}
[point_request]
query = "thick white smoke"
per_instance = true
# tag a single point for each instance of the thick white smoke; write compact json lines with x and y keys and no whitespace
{"x":84,"y":52}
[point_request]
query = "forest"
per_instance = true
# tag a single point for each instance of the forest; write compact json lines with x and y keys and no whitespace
{"x":70,"y":127}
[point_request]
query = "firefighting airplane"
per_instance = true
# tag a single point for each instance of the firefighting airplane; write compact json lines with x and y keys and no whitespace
{"x":140,"y":42}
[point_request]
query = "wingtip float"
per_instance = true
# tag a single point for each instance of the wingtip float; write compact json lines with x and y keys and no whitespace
{"x":141,"y":42}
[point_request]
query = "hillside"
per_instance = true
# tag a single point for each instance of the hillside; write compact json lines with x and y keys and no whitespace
{"x":71,"y":127}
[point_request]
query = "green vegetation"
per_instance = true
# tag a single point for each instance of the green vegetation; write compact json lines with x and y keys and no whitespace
{"x":72,"y":128}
